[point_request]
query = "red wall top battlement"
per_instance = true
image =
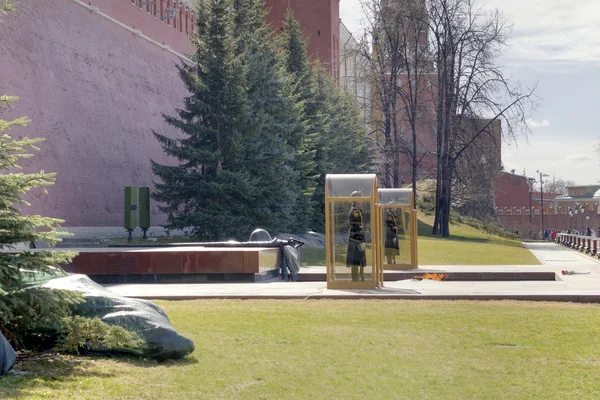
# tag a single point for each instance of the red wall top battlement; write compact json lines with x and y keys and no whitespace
{"x":169,"y":22}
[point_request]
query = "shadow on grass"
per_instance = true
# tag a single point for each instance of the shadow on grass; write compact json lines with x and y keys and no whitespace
{"x":316,"y":256}
{"x":51,"y":372}
{"x":425,"y":231}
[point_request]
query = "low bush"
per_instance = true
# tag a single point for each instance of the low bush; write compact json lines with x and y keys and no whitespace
{"x":83,"y":334}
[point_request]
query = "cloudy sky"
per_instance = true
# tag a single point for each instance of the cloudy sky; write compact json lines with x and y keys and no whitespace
{"x":557,"y":43}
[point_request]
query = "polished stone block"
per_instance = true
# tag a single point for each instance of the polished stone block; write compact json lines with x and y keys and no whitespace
{"x":175,"y":260}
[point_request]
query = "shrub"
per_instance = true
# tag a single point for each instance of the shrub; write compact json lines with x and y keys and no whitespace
{"x":426,"y":204}
{"x":79,"y":333}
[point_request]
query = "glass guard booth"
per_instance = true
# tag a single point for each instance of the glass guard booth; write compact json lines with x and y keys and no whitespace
{"x":397,"y":249}
{"x":351,"y":228}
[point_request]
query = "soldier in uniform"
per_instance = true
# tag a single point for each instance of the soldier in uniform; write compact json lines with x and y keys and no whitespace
{"x":391,"y":237}
{"x":356,"y":257}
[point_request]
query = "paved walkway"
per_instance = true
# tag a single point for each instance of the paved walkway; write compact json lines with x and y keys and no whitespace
{"x":583,"y":286}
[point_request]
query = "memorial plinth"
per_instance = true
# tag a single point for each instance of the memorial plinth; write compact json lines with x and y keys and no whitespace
{"x":176,"y":264}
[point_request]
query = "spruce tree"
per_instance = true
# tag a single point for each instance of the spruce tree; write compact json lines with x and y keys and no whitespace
{"x":345,"y":143}
{"x":23,"y":311}
{"x":30,"y":314}
{"x":306,"y":142}
{"x":342,"y":147}
{"x":351,"y":151}
{"x":274,"y":119}
{"x":334,"y":140}
{"x":211,"y":190}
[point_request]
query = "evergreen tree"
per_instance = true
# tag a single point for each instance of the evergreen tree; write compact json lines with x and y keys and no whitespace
{"x":306,"y":142}
{"x":350,"y":151}
{"x":259,"y":129}
{"x":334,"y":140}
{"x":343,"y":147}
{"x":347,"y":147}
{"x":274,"y":120}
{"x":211,"y":190}
{"x":21,"y":311}
{"x":29,"y":313}
{"x":321,"y":111}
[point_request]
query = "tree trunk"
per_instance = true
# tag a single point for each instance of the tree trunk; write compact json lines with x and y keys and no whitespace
{"x":396,"y":141}
{"x":388,"y":148}
{"x":414,"y":163}
{"x":446,"y":199}
{"x":441,"y":89}
{"x":438,"y":204}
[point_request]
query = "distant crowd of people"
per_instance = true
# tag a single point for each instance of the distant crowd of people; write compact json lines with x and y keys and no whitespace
{"x":588,"y":232}
{"x":550,"y":234}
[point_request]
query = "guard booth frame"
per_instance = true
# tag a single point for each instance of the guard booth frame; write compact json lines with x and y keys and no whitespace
{"x":341,"y":192}
{"x":401,"y":202}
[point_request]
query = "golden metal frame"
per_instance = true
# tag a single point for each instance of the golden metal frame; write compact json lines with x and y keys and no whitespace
{"x":330,"y":245}
{"x":412,"y":231}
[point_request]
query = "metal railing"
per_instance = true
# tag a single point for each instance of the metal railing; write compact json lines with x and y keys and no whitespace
{"x":582,"y":243}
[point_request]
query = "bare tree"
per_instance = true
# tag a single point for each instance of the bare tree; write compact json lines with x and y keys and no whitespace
{"x":413,"y":88}
{"x":471,"y":90}
{"x":380,"y":48}
{"x":395,"y":47}
{"x":558,"y":185}
{"x":475,"y":172}
{"x":442,"y":55}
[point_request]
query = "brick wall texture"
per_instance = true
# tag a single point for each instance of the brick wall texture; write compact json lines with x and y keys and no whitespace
{"x":95,"y":91}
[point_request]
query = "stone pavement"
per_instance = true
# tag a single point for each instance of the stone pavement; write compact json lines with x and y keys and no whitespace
{"x":581,"y":287}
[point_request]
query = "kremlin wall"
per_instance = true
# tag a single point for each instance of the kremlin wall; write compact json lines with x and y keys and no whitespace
{"x":94,"y":78}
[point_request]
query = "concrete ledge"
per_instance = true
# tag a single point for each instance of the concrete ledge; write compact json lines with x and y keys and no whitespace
{"x":170,"y":278}
{"x":451,"y":276}
{"x":184,"y":278}
{"x":582,"y":287}
{"x":575,"y":298}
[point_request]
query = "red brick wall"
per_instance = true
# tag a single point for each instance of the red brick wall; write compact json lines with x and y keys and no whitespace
{"x":320,"y":23}
{"x":511,"y":191}
{"x":554,"y":221}
{"x":96,"y":92}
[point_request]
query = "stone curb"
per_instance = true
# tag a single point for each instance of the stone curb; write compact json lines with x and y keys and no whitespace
{"x":574,"y":298}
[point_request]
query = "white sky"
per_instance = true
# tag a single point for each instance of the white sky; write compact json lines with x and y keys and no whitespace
{"x":557,"y":43}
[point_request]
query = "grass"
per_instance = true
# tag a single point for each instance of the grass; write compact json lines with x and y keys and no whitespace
{"x":469,"y":246}
{"x":363,"y":349}
{"x":465,"y":246}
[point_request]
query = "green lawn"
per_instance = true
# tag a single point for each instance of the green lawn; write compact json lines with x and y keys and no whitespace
{"x":469,"y":246}
{"x":363,"y":349}
{"x":465,"y":246}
